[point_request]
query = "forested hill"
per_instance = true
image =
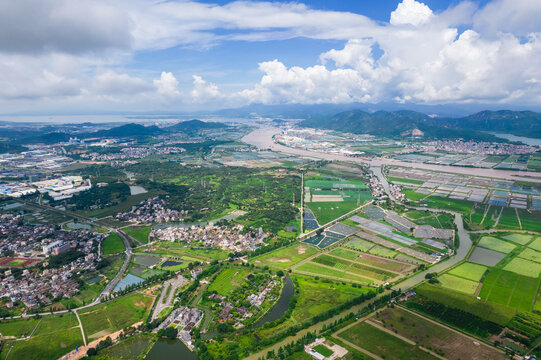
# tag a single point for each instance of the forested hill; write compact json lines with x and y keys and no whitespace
{"x":192,"y":126}
{"x":51,"y":134}
{"x":401,"y":123}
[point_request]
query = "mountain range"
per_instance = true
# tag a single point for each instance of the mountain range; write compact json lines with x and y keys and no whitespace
{"x":127,"y":130}
{"x":401,"y":123}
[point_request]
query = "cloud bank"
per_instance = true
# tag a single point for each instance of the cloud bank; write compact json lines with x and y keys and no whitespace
{"x":58,"y":52}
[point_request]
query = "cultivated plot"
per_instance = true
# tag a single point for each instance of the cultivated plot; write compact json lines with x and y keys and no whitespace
{"x":469,"y":271}
{"x":285,"y":257}
{"x":485,"y":257}
{"x":495,"y":244}
{"x":510,"y":289}
{"x":521,"y":239}
{"x":458,"y":284}
{"x":524,"y":267}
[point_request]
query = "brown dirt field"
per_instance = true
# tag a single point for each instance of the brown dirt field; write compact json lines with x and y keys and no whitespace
{"x":301,"y":250}
{"x":279,"y":260}
{"x":429,"y":334}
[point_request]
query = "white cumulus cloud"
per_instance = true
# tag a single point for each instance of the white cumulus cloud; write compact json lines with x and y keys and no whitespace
{"x":167,"y":85}
{"x":411,"y":12}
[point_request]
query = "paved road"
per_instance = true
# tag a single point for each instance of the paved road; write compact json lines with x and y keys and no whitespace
{"x":262,"y":138}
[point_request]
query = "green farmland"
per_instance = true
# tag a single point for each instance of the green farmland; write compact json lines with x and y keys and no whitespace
{"x":469,"y":271}
{"x":510,"y":289}
{"x":112,"y":244}
{"x":228,"y":280}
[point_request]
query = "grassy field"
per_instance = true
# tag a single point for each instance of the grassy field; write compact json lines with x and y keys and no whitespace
{"x":485,"y":309}
{"x":112,"y":244}
{"x":524,"y":267}
{"x":495,"y":244}
{"x":458,"y":284}
{"x":140,"y":233}
{"x":521,"y":239}
{"x":382,"y":343}
{"x":510,"y":289}
{"x":17,"y":328}
{"x":469,"y":271}
{"x":174,"y":249}
{"x":318,"y":270}
{"x":315,"y":297}
{"x":285,"y":257}
{"x":115,"y":315}
{"x":228,"y":280}
{"x":54,"y":337}
{"x":445,"y":342}
{"x":328,"y":211}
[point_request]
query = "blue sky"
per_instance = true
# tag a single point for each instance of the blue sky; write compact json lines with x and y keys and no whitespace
{"x":184,"y":55}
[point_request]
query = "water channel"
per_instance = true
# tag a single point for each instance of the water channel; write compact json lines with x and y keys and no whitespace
{"x":170,"y":349}
{"x":280,"y":308}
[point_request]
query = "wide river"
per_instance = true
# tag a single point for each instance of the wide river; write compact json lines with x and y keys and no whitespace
{"x":262,"y":138}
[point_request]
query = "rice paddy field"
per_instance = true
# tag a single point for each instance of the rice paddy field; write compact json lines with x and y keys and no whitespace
{"x":536,"y":244}
{"x":510,"y":289}
{"x":486,"y":257}
{"x":469,"y":271}
{"x":523,"y":267}
{"x":530,"y":254}
{"x":285,"y":257}
{"x":521,"y":239}
{"x":495,"y":244}
{"x":488,"y":310}
{"x":458,"y":284}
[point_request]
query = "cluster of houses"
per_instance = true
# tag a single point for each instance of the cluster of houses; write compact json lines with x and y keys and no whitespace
{"x":224,"y":237}
{"x":34,"y":240}
{"x":152,"y":211}
{"x":39,"y":288}
{"x":229,"y":311}
{"x":125,"y":153}
{"x":184,"y":319}
{"x":376,"y":187}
